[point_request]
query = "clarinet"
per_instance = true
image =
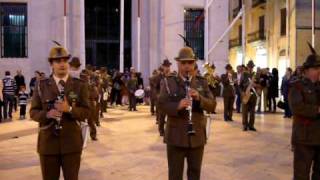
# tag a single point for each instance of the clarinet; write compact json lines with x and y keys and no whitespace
{"x":191,"y":131}
{"x":60,"y":97}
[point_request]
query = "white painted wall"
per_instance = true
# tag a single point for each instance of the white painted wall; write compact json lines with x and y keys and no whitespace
{"x":45,"y":24}
{"x":163,"y":20}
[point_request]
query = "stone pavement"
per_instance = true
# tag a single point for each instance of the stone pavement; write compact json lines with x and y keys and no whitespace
{"x":129,"y":148}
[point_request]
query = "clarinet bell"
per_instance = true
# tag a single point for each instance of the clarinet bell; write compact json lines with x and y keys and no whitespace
{"x":191,"y":131}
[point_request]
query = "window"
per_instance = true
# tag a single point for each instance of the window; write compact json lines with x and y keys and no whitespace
{"x":13,"y":30}
{"x":283,"y":27}
{"x":194,"y":30}
{"x":261,"y":26}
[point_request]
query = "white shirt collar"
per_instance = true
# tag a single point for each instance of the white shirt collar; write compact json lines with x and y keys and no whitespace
{"x":56,"y":79}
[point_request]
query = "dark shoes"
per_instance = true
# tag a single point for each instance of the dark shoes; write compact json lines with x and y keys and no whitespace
{"x":94,"y":138}
{"x":245,"y":128}
{"x":252,"y":129}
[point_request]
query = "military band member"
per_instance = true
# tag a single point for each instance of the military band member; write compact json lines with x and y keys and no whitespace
{"x":157,"y":82}
{"x":228,"y":81}
{"x":304,"y":103}
{"x":105,"y":85}
{"x":58,"y":104}
{"x":153,"y":92}
{"x":183,"y":142}
{"x":249,"y":96}
{"x":75,"y":67}
{"x":213,"y":80}
{"x":132,"y":86}
{"x":93,"y":96}
{"x":160,"y":114}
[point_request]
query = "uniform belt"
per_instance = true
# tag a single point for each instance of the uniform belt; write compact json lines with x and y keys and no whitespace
{"x":46,"y":126}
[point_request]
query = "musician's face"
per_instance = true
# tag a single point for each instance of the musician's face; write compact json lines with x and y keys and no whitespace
{"x":313,"y":73}
{"x":166,"y":69}
{"x":60,"y":67}
{"x":186,"y":67}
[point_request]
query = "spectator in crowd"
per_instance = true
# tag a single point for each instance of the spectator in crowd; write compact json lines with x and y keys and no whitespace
{"x":9,"y":88}
{"x":23,"y":101}
{"x":285,"y":92}
{"x":1,"y":101}
{"x":264,"y":83}
{"x":273,"y":90}
{"x":33,"y":81}
{"x":19,"y":78}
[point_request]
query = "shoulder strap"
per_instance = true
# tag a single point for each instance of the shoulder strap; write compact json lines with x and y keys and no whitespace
{"x":167,"y":85}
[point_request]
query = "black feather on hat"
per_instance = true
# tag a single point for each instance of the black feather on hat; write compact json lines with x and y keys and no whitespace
{"x":313,"y":60}
{"x":313,"y":51}
{"x":187,"y":43}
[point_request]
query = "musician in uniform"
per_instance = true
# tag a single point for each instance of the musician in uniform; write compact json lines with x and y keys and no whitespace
{"x":153,"y":91}
{"x":132,"y":86}
{"x":228,"y":81}
{"x":166,"y":64}
{"x":75,"y":67}
{"x":105,"y":84}
{"x":304,"y":103}
{"x":239,"y":73}
{"x":58,"y":104}
{"x":93,"y":96}
{"x":213,"y":80}
{"x":185,"y":133}
{"x":157,"y":82}
{"x":248,"y":83}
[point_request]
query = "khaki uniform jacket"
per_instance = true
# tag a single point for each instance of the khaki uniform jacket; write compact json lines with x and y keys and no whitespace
{"x":304,"y":103}
{"x":228,"y":88}
{"x":70,"y":138}
{"x":153,"y":87}
{"x":177,"y":122}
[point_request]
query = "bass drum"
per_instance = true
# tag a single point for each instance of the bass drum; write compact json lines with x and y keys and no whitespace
{"x":139,"y":93}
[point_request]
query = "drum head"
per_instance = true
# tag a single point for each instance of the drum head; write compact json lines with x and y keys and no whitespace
{"x":139,"y":93}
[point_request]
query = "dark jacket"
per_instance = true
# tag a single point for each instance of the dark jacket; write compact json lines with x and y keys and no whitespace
{"x":273,"y":90}
{"x":304,"y":103}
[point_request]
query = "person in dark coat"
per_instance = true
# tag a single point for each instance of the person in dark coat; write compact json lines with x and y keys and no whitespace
{"x":33,"y":82}
{"x":273,"y":91}
{"x":285,"y":92}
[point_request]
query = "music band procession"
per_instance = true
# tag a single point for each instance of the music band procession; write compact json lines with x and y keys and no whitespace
{"x":69,"y":104}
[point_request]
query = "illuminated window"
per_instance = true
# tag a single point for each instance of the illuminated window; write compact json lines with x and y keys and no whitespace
{"x":194,"y":30}
{"x":13,"y":30}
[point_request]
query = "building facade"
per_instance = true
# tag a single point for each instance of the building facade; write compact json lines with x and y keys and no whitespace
{"x":29,"y":26}
{"x":163,"y":20}
{"x":276,"y":32}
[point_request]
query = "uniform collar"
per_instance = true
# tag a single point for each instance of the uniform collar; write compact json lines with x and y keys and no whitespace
{"x":56,"y":79}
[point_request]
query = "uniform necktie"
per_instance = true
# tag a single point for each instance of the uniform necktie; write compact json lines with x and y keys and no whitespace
{"x":61,"y":87}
